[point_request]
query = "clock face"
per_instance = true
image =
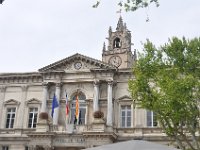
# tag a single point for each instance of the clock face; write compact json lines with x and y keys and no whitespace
{"x":115,"y":60}
{"x":77,"y":65}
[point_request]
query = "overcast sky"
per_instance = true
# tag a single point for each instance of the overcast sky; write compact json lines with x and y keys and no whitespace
{"x":36,"y":33}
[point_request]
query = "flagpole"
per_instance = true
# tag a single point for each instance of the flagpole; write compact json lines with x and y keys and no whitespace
{"x":66,"y":110}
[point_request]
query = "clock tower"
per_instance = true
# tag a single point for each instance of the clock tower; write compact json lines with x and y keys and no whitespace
{"x":118,"y":52}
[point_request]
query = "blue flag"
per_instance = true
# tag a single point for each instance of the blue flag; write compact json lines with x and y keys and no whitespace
{"x":54,"y":105}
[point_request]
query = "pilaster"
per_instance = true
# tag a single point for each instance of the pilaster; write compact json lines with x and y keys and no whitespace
{"x":2,"y":98}
{"x":45,"y":94}
{"x":20,"y":117}
{"x":138,"y":122}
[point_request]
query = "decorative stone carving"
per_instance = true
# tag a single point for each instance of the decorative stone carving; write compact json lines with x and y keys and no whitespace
{"x":33,"y":101}
{"x":11,"y":102}
{"x":59,"y":84}
{"x":96,"y":82}
{"x":110,"y":82}
{"x":24,"y":88}
{"x":68,"y":67}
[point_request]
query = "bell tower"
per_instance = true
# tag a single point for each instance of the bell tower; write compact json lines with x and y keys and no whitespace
{"x":118,"y":52}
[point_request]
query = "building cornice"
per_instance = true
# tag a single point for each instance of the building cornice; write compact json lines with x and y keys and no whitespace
{"x":19,"y":74}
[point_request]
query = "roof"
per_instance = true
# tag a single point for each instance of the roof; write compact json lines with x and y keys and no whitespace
{"x":62,"y":63}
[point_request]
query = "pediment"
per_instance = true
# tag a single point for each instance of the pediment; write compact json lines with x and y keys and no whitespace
{"x":11,"y":102}
{"x":33,"y":101}
{"x":125,"y":97}
{"x":76,"y":62}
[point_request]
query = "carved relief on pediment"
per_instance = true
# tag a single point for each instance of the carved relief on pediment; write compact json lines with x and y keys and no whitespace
{"x":88,"y":66}
{"x":75,"y":63}
{"x":61,"y":67}
{"x":78,"y":66}
{"x":68,"y":67}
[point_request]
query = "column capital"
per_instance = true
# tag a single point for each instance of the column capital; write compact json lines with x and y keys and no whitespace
{"x":59,"y":84}
{"x":24,"y":87}
{"x":96,"y":82}
{"x":110,"y":82}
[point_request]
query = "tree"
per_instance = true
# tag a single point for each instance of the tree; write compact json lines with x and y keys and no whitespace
{"x":132,"y":5}
{"x":167,"y":82}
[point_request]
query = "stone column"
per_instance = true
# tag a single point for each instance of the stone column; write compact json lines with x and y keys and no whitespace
{"x":44,"y":100}
{"x":87,"y":112}
{"x":2,"y":97}
{"x":96,"y":96}
{"x":110,"y":104}
{"x":43,"y":124}
{"x":56,"y":111}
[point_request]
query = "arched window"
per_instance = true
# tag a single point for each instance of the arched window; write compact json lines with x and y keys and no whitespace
{"x":117,"y":43}
{"x":82,"y":108}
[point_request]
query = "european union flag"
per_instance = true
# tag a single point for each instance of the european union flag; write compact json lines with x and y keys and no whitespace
{"x":54,"y":105}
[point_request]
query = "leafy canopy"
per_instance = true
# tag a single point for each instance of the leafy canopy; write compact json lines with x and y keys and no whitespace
{"x":167,"y":81}
{"x":131,"y":5}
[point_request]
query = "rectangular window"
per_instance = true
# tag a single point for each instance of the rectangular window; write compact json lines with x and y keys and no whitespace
{"x":5,"y":148}
{"x":125,"y":116}
{"x":81,"y":119}
{"x":33,"y":114}
{"x":151,"y":119}
{"x":82,"y":116}
{"x":10,"y":117}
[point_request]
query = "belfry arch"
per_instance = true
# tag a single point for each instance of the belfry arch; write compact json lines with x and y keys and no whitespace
{"x":117,"y":43}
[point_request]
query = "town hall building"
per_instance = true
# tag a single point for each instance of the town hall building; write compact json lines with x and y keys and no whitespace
{"x":107,"y":113}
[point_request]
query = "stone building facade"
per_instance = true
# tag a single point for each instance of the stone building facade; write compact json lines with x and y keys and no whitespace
{"x":101,"y":86}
